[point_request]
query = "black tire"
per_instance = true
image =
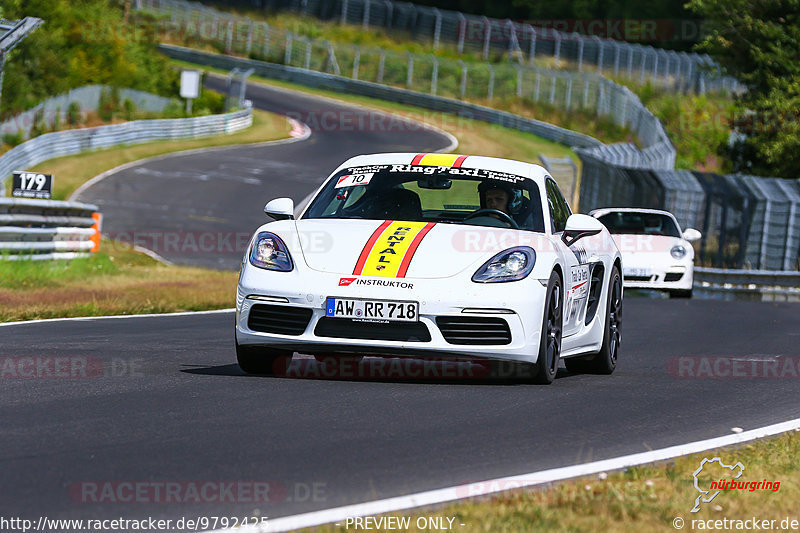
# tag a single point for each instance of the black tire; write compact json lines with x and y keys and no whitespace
{"x":259,"y":360}
{"x":605,"y":361}
{"x":552,"y":326}
{"x":680,"y":293}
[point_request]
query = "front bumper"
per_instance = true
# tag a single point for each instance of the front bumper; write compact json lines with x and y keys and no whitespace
{"x":673,"y":277}
{"x":519,"y":304}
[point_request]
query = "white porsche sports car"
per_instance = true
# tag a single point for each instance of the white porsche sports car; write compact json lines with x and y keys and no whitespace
{"x":657,"y":254}
{"x":432,"y":256}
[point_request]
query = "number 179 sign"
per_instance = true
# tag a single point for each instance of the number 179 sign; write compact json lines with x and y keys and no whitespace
{"x":32,"y":185}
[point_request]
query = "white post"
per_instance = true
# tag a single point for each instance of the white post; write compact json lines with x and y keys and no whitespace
{"x":463,"y":88}
{"x":462,"y":31}
{"x":365,"y":19}
{"x":356,"y":60}
{"x":437,"y":29}
{"x":434,"y":74}
{"x":491,"y":81}
{"x":486,"y":38}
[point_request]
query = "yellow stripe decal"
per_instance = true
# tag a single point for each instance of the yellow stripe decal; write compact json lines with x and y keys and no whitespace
{"x":389,"y":249}
{"x":439,"y":160}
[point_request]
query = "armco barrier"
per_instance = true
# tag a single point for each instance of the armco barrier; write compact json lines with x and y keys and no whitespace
{"x":765,"y":285}
{"x":314,"y":79}
{"x":72,"y":142}
{"x":47,"y":229}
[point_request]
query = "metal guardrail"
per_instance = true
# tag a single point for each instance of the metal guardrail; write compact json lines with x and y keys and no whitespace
{"x":522,"y":42}
{"x":761,"y":285}
{"x":747,"y":278}
{"x":434,"y":75}
{"x":323,"y":80}
{"x":47,"y":229}
{"x":55,"y":109}
{"x":72,"y":142}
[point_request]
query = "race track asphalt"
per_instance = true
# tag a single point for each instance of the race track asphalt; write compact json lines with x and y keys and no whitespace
{"x":201,"y":208}
{"x":120,"y":405}
{"x":163,"y":401}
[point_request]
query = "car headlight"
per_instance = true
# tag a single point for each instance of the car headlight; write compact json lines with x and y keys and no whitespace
{"x":509,"y":265}
{"x":269,"y":252}
{"x":678,"y":251}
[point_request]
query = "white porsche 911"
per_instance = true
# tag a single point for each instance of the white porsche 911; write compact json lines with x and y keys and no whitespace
{"x":432,"y":256}
{"x":657,"y":254}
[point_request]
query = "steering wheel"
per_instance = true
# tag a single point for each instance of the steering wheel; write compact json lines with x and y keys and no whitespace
{"x":486,"y":211}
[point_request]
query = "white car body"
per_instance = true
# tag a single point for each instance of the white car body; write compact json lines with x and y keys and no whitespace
{"x":648,"y":258}
{"x":439,"y":275}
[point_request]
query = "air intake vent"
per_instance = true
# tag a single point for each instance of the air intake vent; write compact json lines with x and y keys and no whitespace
{"x":280,"y":319}
{"x":344,"y":328}
{"x":673,"y":276}
{"x":638,"y":278}
{"x":474,"y":330}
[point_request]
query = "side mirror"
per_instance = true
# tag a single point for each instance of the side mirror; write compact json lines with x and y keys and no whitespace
{"x":280,"y":209}
{"x":579,"y":226}
{"x":691,"y":235}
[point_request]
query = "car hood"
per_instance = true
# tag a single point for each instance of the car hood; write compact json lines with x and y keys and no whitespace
{"x":399,"y":249}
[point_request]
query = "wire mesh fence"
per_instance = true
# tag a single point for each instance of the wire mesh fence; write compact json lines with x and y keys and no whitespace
{"x":527,"y":41}
{"x":194,"y":24}
{"x":746,"y":221}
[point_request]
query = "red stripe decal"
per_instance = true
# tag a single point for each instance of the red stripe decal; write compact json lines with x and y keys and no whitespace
{"x":368,"y":247}
{"x":417,"y":159}
{"x":460,"y":160}
{"x":579,"y":285}
{"x":412,"y":249}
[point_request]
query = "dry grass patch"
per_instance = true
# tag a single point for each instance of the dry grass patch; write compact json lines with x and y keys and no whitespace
{"x":119,"y":282}
{"x":645,"y":498}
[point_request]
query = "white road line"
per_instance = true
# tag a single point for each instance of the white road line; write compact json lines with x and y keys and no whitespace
{"x":113,"y":317}
{"x":103,"y":175}
{"x":492,"y":486}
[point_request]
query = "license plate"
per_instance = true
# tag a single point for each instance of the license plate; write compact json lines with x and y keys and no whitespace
{"x":384,"y":310}
{"x":643,"y":272}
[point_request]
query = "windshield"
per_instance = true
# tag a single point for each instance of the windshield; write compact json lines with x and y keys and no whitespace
{"x":635,"y":223}
{"x":431,"y":194}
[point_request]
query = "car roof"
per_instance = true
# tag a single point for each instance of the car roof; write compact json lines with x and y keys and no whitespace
{"x":527,"y":170}
{"x":606,"y":210}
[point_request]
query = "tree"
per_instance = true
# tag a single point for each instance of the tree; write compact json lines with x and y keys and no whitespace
{"x":80,"y":43}
{"x":758,"y":42}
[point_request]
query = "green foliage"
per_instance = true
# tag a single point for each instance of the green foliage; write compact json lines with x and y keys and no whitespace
{"x":80,"y":43}
{"x":208,"y":103}
{"x":698,"y":125}
{"x":758,"y":41}
{"x":109,"y":103}
{"x":12,"y":139}
{"x":74,"y":116}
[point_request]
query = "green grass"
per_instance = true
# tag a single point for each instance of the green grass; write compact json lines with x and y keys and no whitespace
{"x":71,"y":172}
{"x":474,"y":136}
{"x":698,"y":125}
{"x":643,"y":498}
{"x":114,"y":281}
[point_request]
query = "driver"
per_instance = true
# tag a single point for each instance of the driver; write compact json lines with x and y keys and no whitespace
{"x":496,"y":195}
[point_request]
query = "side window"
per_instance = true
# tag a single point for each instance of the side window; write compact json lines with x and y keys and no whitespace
{"x":559,"y":210}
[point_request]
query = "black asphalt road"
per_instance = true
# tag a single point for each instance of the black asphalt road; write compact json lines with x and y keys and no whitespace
{"x":163,"y":409}
{"x":164,"y":402}
{"x":201,"y":208}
